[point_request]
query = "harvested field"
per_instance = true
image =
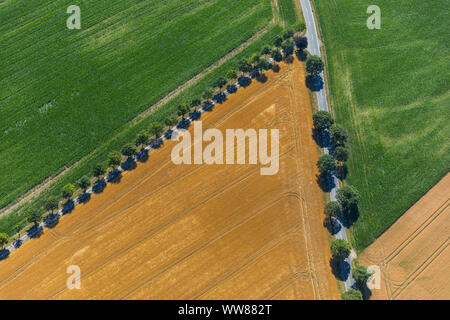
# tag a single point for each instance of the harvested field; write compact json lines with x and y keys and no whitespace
{"x":197,"y":231}
{"x":413,"y":254}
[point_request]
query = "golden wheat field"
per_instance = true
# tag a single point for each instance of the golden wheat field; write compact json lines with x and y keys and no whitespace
{"x":171,"y":231}
{"x":413,"y":253}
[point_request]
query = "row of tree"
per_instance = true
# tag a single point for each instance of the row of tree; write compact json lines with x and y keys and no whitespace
{"x":347,"y":196}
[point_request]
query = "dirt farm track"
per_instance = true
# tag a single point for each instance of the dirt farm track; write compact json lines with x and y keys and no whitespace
{"x":171,"y":231}
{"x":413,"y":253}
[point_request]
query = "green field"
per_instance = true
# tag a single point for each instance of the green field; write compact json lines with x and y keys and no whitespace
{"x":390,"y":89}
{"x":64,"y":92}
{"x":66,"y":149}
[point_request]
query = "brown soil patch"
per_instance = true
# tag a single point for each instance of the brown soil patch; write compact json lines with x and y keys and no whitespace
{"x":413,"y":253}
{"x":197,"y":231}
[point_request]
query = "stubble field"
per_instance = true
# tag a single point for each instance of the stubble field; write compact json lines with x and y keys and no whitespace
{"x":413,"y":253}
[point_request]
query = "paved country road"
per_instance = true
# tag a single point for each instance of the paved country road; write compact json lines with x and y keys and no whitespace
{"x":314,"y":49}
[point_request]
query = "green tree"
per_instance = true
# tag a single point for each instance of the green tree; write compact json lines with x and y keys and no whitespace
{"x":128,"y":150}
{"x":300,"y":26}
{"x":4,"y":239}
{"x":265,"y":50}
{"x":301,"y":43}
{"x":17,"y":229}
{"x":196,"y":102}
{"x":182,"y":110}
{"x":114,"y":159}
{"x":352,"y":294}
{"x":314,"y":65}
{"x":264,"y":64}
{"x":51,"y":203}
{"x":333,"y":209}
{"x":326,"y":164}
{"x":288,"y":48}
{"x":338,"y":135}
{"x":276,"y":55}
{"x":141,"y":138}
{"x":340,"y":154}
{"x":232,"y":75}
{"x":289,"y":33}
{"x":254,"y":59}
{"x":171,"y":121}
{"x":84,"y":183}
{"x":348,"y":197}
{"x":220,"y":82}
{"x":322,"y":120}
{"x":340,"y":249}
{"x":277,"y":42}
{"x":34,"y":216}
{"x":208,"y":94}
{"x":98,"y":170}
{"x":156,"y":128}
{"x":67,"y":191}
{"x":245,"y":66}
{"x":361,"y":274}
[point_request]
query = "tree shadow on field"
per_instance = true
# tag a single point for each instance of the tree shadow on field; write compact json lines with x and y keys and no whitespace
{"x":208,"y":106}
{"x":244,"y":81}
{"x":4,"y":254}
{"x":318,"y":137}
{"x":276,"y":68}
{"x":332,"y":226}
{"x":340,"y":269}
{"x":324,"y":182}
{"x":366,"y":293}
{"x":18,"y":243}
{"x":262,"y":78}
{"x":114,"y":176}
{"x":351,"y":215}
{"x":289,"y":59}
{"x":184,"y":124}
{"x":51,"y":220}
{"x":84,"y":198}
{"x":341,"y":171}
{"x":301,"y":55}
{"x":314,"y":82}
{"x":231,"y":89}
{"x":254,"y":73}
{"x":129,"y":164}
{"x":142,"y":156}
{"x":196,"y":115}
{"x":99,"y":186}
{"x":35,"y":232}
{"x":68,"y":207}
{"x":158,"y":143}
{"x":169,"y":133}
{"x":220,"y":97}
